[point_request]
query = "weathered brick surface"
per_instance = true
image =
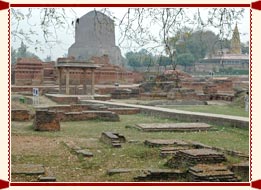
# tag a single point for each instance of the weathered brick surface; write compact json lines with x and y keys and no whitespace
{"x":161,"y":175}
{"x":211,"y":173}
{"x":46,"y":121}
{"x":88,"y":115}
{"x":241,"y":170}
{"x":210,"y":89}
{"x":125,"y":93}
{"x":165,"y":142}
{"x":28,"y":71}
{"x":125,"y":111}
{"x":192,"y":157}
{"x":20,"y":115}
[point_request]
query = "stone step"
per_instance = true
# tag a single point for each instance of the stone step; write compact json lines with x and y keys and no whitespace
{"x":46,"y":179}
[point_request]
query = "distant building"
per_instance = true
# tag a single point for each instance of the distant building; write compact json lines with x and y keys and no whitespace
{"x":235,"y":42}
{"x":225,"y":58}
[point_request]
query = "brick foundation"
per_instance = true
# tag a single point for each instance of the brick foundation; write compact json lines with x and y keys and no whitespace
{"x":20,"y":115}
{"x":46,"y":121}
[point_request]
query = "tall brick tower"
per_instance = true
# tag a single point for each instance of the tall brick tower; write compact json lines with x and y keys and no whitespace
{"x":235,"y":42}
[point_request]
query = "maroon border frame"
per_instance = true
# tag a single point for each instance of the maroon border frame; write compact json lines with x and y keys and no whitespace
{"x":255,"y":184}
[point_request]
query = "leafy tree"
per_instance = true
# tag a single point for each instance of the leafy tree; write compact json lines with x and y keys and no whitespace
{"x":164,"y":61}
{"x":245,"y":48}
{"x":185,"y":59}
{"x":13,"y":55}
{"x":22,"y":50}
{"x":20,"y":53}
{"x":139,"y":59}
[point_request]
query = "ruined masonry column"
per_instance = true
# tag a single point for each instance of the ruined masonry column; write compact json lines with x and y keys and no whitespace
{"x":60,"y":80}
{"x":67,"y":87}
{"x":84,"y":82}
{"x":92,"y":84}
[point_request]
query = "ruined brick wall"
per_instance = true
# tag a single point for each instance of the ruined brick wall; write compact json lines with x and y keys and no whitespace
{"x":197,"y":86}
{"x":106,"y":73}
{"x":125,"y":111}
{"x":20,"y":115}
{"x":88,"y":115}
{"x":28,"y":71}
{"x":46,"y":121}
{"x":223,"y":85}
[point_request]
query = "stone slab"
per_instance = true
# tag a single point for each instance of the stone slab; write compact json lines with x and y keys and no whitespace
{"x":201,"y":152}
{"x":46,"y":179}
{"x":174,"y":127}
{"x":120,"y":170}
{"x":85,"y":152}
{"x":72,"y":145}
{"x":28,"y":169}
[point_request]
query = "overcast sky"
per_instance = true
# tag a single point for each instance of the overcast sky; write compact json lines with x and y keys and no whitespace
{"x":64,"y":37}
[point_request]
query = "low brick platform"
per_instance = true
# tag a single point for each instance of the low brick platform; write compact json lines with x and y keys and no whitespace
{"x":28,"y":169}
{"x":125,"y":111}
{"x":191,"y":157}
{"x":46,"y":121}
{"x":211,"y":173}
{"x":75,"y":107}
{"x":20,"y":115}
{"x":113,"y":139}
{"x":89,"y":115}
{"x":165,"y":142}
{"x":171,"y":151}
{"x":181,"y":127}
{"x":241,"y":170}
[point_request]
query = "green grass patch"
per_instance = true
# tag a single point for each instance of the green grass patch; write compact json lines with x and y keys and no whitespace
{"x":216,"y":109}
{"x":68,"y":166}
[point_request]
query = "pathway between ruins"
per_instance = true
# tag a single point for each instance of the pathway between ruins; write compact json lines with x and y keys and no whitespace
{"x":217,"y":119}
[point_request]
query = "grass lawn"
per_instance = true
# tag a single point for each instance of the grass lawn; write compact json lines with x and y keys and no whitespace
{"x":49,"y":149}
{"x":216,"y":109}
